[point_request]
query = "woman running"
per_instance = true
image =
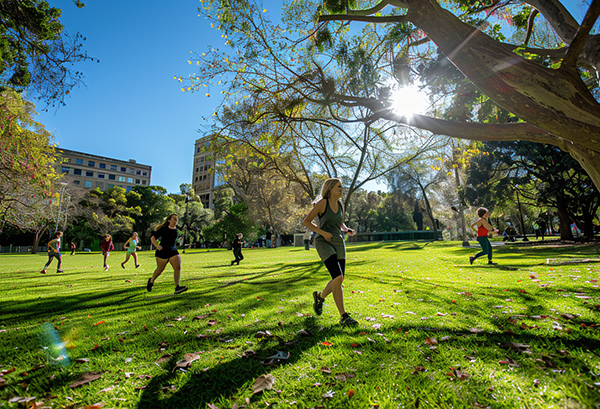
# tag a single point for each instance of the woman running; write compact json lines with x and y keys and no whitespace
{"x":166,"y":251}
{"x":107,"y":246}
{"x":483,"y":229}
{"x":330,"y":245}
{"x":131,"y":246}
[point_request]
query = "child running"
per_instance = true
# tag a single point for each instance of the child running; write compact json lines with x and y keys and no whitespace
{"x":107,"y":246}
{"x":131,"y":246}
{"x":483,"y":229}
{"x":166,"y":252}
{"x":330,"y":245}
{"x":54,"y":252}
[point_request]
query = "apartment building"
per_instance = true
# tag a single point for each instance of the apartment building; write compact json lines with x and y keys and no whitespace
{"x":92,"y":171}
{"x":203,"y":176}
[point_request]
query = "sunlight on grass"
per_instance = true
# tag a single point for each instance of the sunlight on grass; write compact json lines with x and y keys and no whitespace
{"x":433,"y":330}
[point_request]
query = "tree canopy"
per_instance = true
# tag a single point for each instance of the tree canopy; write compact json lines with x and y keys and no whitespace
{"x":36,"y":54}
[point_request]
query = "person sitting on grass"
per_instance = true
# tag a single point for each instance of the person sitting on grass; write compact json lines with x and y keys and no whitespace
{"x":483,"y":229}
{"x":54,"y":253}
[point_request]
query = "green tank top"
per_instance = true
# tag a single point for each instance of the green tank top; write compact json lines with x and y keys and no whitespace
{"x":329,"y":221}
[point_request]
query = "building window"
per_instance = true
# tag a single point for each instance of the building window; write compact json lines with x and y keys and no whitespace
{"x":102,"y":165}
{"x":79,"y":161}
{"x":113,"y":167}
{"x":129,"y":180}
{"x":101,"y":175}
{"x":138,"y":172}
{"x":198,"y":150}
{"x":137,"y":181}
{"x":202,"y":159}
{"x":89,"y":174}
{"x":65,"y":169}
{"x":87,"y":183}
{"x":196,"y":179}
{"x":110,"y":185}
{"x":76,"y":182}
{"x":77,"y":172}
{"x":91,"y":163}
{"x":143,"y":182}
{"x":132,"y":171}
{"x":197,"y":170}
{"x":144,"y":173}
{"x":121,"y":178}
{"x":111,"y":177}
{"x":123,"y":169}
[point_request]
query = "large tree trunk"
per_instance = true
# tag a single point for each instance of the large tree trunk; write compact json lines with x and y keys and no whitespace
{"x":564,"y":219}
{"x":36,"y":239}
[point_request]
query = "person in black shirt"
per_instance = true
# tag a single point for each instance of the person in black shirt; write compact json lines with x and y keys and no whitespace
{"x":166,"y":252}
{"x":237,"y":249}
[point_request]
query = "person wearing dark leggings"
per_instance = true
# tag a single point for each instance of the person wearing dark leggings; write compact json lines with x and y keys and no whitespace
{"x":329,"y":243}
{"x":483,"y":229}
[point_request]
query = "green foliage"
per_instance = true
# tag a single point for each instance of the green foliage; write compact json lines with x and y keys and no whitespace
{"x":234,"y":221}
{"x":35,"y":54}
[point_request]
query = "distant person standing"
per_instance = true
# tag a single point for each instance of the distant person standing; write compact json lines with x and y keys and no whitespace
{"x":73,"y":247}
{"x":131,"y":246}
{"x":483,"y":229}
{"x":54,"y":253}
{"x":268,"y":236}
{"x":107,"y":246}
{"x":330,"y":245}
{"x":418,"y":217}
{"x":164,"y":239}
{"x":306,"y":237}
{"x":237,"y":249}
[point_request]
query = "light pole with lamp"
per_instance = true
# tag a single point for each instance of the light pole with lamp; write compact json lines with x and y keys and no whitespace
{"x":185,"y":229}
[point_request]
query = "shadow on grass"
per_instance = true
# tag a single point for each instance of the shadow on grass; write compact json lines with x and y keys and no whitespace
{"x":227,"y":378}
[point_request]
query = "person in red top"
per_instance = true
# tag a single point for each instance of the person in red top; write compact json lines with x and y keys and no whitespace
{"x":107,"y":246}
{"x":483,"y":229}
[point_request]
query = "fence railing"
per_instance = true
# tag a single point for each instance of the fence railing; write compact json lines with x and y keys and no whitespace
{"x":396,"y":235}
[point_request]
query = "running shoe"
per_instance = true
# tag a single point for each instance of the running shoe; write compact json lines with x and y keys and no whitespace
{"x":149,"y":285}
{"x":122,"y":266}
{"x":180,"y":289}
{"x":347,"y":320}
{"x":59,"y":271}
{"x":43,"y":271}
{"x":318,"y":303}
{"x":491,"y":263}
{"x":471,"y":260}
{"x":137,"y":265}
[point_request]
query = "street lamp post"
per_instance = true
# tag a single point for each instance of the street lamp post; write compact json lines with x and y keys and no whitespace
{"x":62,"y":192}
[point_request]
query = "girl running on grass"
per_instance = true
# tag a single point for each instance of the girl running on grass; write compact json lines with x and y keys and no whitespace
{"x":329,"y":243}
{"x":54,"y":253}
{"x":107,"y":246}
{"x":166,"y":252}
{"x":483,"y":229}
{"x":131,"y":247}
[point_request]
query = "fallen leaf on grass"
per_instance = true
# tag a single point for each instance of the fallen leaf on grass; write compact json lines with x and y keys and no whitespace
{"x":431,"y":341}
{"x":280,"y":355}
{"x":475,"y":330}
{"x":344,"y":376}
{"x":351,"y":393}
{"x":568,"y":316}
{"x":2,"y":381}
{"x":460,"y":375}
{"x":418,"y":369}
{"x":99,"y":322}
{"x":325,"y":370}
{"x":263,"y":382}
{"x":201,"y":317}
{"x":327,"y":344}
{"x":328,"y":394}
{"x":82,"y":360}
{"x":107,"y":389}
{"x":187,"y":360}
{"x":86,"y":378}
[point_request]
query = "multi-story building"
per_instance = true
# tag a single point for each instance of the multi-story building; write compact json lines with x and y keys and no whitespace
{"x":203,"y":175}
{"x":91,"y":171}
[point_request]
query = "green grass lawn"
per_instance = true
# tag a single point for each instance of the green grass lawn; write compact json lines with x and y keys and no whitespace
{"x":434,"y":331}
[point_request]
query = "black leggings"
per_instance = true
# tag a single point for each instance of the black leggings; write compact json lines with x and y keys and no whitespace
{"x":335,"y":267}
{"x":56,"y":256}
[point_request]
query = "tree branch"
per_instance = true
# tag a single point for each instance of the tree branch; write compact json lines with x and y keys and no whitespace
{"x":570,"y":60}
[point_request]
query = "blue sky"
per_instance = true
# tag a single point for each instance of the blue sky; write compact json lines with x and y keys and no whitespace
{"x":131,"y":107}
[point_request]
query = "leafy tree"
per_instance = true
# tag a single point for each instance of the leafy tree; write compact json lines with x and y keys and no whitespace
{"x":27,"y":176}
{"x":543,"y":175}
{"x":394,"y":213}
{"x":234,"y":221}
{"x":35,"y":53}
{"x":153,"y":204}
{"x":525,"y":88}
